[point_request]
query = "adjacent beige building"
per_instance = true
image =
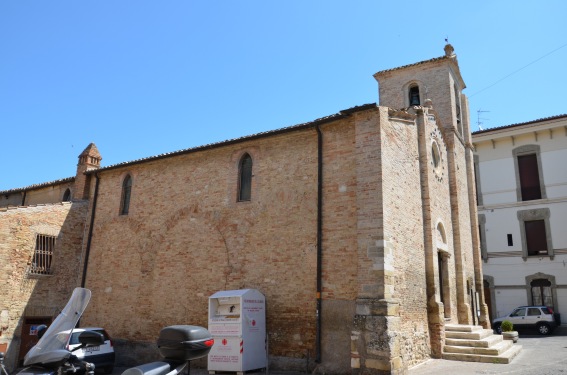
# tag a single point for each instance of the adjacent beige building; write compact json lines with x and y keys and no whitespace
{"x":360,"y":228}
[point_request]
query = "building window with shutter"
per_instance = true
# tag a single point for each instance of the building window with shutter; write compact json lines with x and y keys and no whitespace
{"x":245,"y":178}
{"x":126,"y":195}
{"x":535,"y":237}
{"x":42,"y":256}
{"x":535,"y":233}
{"x":529,"y":176}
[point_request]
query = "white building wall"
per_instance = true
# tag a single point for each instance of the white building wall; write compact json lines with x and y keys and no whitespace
{"x":555,"y":172}
{"x":498,"y":181}
{"x":504,"y":266}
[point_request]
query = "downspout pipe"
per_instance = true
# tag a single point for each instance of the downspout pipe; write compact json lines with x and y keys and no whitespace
{"x":319,"y":241}
{"x":24,"y":198}
{"x":90,"y":237}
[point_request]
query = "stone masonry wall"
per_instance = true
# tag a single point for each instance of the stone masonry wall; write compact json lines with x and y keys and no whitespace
{"x":436,"y":84}
{"x":464,"y":223}
{"x":403,"y":229}
{"x":24,"y":295}
{"x":186,"y":237}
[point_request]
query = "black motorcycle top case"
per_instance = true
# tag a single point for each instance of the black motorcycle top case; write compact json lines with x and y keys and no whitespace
{"x":184,"y":342}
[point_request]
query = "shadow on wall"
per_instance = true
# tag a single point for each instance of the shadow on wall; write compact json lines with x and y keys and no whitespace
{"x":43,"y":246}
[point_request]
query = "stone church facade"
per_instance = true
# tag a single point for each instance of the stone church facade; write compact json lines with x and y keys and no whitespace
{"x":359,"y":228}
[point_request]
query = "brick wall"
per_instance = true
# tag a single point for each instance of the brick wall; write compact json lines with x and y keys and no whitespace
{"x":23,"y":295}
{"x":38,"y":195}
{"x":186,"y":238}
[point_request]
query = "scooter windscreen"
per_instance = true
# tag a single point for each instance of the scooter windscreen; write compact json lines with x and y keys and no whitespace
{"x":50,"y":349}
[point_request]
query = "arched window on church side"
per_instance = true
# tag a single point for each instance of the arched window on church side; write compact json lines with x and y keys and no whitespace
{"x":67,"y":195}
{"x":126,"y":194}
{"x":245,"y":178}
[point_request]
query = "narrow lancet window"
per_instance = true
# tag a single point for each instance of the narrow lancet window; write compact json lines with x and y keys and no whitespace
{"x":245,"y":179}
{"x":126,"y":193}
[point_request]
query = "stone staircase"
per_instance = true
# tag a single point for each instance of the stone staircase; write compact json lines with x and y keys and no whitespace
{"x":476,"y":344}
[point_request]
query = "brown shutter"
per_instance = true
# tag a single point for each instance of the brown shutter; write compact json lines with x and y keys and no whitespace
{"x":529,"y":177}
{"x":535,"y":237}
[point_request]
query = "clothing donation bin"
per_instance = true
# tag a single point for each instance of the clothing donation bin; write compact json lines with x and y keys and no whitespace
{"x":237,"y":322}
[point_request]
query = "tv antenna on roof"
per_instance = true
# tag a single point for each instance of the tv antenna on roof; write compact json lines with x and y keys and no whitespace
{"x":478,"y":118}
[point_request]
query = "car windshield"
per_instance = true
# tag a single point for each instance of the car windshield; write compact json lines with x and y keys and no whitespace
{"x":67,"y":319}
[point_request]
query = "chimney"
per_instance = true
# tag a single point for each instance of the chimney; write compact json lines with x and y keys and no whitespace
{"x":89,"y":159}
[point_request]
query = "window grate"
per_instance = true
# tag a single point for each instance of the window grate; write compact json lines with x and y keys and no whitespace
{"x":42,"y":256}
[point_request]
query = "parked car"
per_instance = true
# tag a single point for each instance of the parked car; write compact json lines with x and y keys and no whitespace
{"x":101,"y":356}
{"x":538,"y":317}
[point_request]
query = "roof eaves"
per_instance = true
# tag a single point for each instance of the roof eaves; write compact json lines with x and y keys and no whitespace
{"x":414,"y":64}
{"x":306,"y":125}
{"x":38,"y":186}
{"x":519,"y":124}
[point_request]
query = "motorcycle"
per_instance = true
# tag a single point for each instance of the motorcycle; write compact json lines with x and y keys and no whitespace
{"x":178,"y":344}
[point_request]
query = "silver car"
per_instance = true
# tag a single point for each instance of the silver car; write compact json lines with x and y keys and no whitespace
{"x":538,"y":317}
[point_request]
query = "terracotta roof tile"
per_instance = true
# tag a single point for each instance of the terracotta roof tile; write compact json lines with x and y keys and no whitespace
{"x":519,"y":124}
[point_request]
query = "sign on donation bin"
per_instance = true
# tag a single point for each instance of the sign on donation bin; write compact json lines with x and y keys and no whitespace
{"x":237,"y":322}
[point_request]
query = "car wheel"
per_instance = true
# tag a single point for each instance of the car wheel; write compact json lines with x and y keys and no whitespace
{"x":497,"y":328}
{"x":543,"y":329}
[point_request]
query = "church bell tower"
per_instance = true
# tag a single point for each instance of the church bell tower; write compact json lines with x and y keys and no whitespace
{"x":437,"y":80}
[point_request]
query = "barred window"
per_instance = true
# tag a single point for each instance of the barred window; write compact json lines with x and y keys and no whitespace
{"x":43,"y":255}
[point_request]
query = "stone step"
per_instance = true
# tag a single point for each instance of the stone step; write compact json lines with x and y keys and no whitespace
{"x":494,"y":350}
{"x":477,"y":334}
{"x":505,"y":357}
{"x":462,"y":328}
{"x":482,"y":343}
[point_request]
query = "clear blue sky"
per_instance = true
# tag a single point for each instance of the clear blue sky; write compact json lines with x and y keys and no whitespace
{"x":141,"y":78}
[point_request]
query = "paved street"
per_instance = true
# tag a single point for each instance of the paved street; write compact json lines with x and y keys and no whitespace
{"x":541,"y":355}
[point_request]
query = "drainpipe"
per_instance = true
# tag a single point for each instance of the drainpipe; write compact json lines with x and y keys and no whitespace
{"x":319,"y":240}
{"x":90,"y":237}
{"x":24,"y":198}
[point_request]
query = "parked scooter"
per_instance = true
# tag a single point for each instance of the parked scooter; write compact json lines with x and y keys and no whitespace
{"x":179,"y":345}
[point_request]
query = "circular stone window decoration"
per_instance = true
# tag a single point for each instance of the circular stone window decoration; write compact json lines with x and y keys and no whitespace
{"x":436,"y":159}
{"x":436,"y":148}
{"x":435,"y":155}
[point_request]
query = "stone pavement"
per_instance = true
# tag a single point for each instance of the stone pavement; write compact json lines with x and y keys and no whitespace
{"x":541,"y":355}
